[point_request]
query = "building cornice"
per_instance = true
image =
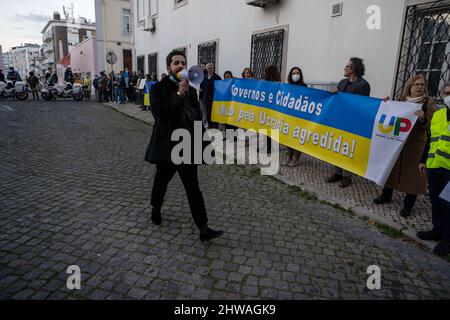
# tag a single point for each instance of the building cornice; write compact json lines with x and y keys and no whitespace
{"x":62,"y":23}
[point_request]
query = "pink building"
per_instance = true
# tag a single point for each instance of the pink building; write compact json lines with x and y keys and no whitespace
{"x":83,"y":58}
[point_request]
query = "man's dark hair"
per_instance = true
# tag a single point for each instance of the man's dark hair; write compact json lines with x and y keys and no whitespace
{"x":173,"y":54}
{"x":358,"y":66}
{"x":271,"y":73}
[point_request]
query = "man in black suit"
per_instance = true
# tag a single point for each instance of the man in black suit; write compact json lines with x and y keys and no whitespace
{"x":207,"y":88}
{"x":175,"y":105}
{"x":353,"y":83}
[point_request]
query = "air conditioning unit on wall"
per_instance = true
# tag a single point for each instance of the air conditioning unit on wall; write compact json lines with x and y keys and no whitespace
{"x":149,"y":24}
{"x":262,"y":3}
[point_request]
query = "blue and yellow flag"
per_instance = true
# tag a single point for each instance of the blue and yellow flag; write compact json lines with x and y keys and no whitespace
{"x":147,"y":89}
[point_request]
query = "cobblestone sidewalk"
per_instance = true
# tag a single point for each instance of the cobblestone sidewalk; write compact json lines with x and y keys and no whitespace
{"x":75,"y":190}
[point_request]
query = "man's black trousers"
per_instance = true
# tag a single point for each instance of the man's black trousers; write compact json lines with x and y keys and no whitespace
{"x":189,"y":178}
{"x":437,"y":180}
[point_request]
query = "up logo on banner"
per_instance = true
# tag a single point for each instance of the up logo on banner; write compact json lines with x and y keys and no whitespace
{"x":396,"y":125}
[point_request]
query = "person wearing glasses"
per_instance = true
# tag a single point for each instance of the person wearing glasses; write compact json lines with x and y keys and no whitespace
{"x":404,"y":176}
{"x":353,"y":83}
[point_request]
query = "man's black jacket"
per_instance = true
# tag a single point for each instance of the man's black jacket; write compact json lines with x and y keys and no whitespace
{"x":207,"y":88}
{"x":171,"y":112}
{"x":360,"y":87}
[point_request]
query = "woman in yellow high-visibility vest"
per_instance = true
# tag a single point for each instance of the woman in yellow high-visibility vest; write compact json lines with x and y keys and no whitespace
{"x":436,"y":163}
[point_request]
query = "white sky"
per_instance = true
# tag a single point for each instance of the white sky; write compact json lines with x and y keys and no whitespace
{"x":21,"y":21}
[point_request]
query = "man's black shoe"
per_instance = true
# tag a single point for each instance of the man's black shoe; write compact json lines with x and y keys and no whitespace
{"x":156,"y":216}
{"x":429,"y":235}
{"x":382,"y":199}
{"x":207,"y":234}
{"x":405,"y":212}
{"x":334,"y":178}
{"x":442,"y":249}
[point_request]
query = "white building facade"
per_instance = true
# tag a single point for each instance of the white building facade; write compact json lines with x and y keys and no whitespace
{"x":396,"y":39}
{"x":114,"y":34}
{"x":23,"y":58}
{"x":6,"y":60}
{"x":2,"y":67}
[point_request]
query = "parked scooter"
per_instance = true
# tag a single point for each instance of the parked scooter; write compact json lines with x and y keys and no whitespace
{"x":18,"y":90}
{"x":53,"y":91}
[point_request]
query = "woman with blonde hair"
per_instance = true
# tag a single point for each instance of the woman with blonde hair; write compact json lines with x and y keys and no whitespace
{"x":404,"y":176}
{"x":247,"y":73}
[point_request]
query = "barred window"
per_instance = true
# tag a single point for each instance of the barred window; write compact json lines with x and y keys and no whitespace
{"x":207,"y":53}
{"x":267,"y":49}
{"x":425,"y":47}
{"x":141,"y":63}
{"x":153,"y":64}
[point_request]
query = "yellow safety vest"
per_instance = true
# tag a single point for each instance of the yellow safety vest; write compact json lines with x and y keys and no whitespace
{"x":439,"y":154}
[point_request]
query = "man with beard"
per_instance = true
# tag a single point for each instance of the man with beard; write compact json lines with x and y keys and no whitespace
{"x":175,"y":105}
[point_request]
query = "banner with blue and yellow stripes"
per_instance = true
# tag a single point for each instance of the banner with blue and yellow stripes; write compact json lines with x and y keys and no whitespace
{"x":360,"y":134}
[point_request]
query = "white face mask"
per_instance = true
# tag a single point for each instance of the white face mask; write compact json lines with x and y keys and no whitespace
{"x":295,"y":77}
{"x":447,"y":101}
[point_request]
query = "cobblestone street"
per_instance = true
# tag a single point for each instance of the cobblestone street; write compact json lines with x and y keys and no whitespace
{"x":75,"y":190}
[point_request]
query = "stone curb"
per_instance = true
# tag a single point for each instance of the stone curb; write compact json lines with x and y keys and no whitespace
{"x":359,"y":211}
{"x":114,"y":107}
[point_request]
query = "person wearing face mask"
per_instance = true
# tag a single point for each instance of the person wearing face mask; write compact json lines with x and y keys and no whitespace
{"x":295,"y":77}
{"x":404,"y":176}
{"x":436,"y":164}
{"x":175,"y":105}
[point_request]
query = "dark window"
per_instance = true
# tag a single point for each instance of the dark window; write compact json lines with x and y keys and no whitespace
{"x":207,"y":53}
{"x":141,"y":63}
{"x":267,"y":49}
{"x":425,"y":47}
{"x":153,"y":63}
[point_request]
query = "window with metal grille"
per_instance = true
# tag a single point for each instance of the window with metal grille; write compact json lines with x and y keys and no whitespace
{"x":141,"y":63}
{"x":207,"y":53}
{"x":153,"y":64}
{"x":267,"y":49}
{"x":425,"y":47}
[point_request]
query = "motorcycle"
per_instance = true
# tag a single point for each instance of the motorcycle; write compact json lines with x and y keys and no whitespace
{"x":64,"y":91}
{"x":10,"y":89}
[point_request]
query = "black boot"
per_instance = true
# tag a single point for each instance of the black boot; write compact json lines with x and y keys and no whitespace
{"x":382,"y":199}
{"x":429,"y":235}
{"x":442,"y":249}
{"x":207,"y":234}
{"x":156,"y":216}
{"x":405,"y":212}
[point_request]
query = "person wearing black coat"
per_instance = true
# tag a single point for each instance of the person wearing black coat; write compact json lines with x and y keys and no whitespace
{"x":175,"y":105}
{"x":68,"y":76}
{"x":354,"y":83}
{"x":2,"y":76}
{"x":207,"y":88}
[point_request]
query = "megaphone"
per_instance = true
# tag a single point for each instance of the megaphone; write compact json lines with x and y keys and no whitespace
{"x":194,"y":75}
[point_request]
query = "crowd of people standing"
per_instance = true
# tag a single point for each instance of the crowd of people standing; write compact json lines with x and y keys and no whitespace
{"x":428,"y":140}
